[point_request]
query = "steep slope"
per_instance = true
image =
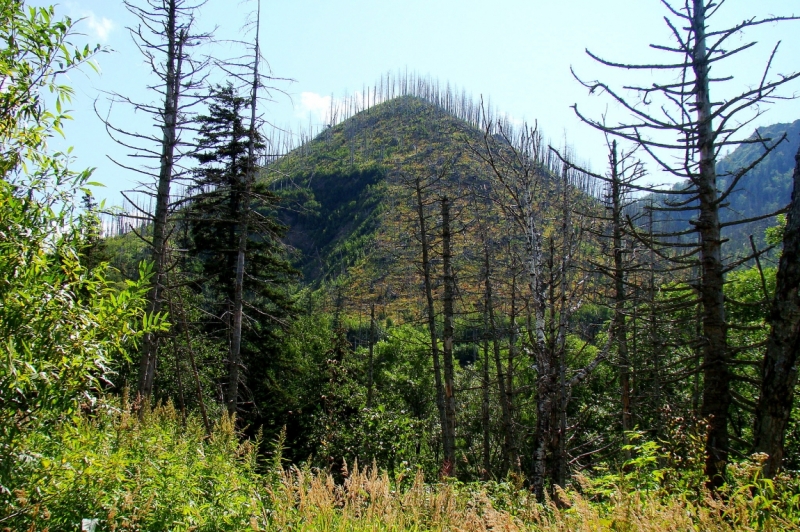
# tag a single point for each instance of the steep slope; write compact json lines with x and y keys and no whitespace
{"x":763,"y":190}
{"x":337,"y":188}
{"x":766,"y":188}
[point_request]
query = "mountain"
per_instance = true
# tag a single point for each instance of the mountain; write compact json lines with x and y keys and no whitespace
{"x":348,"y":201}
{"x":340,"y":188}
{"x":765,"y":189}
{"x":768,"y":187}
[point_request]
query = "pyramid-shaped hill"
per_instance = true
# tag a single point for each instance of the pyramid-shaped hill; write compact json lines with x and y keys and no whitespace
{"x":341,"y":189}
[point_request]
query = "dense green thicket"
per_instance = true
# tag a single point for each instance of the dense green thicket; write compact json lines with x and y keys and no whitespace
{"x":61,"y":323}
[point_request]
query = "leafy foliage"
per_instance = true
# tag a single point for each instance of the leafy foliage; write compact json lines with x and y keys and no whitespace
{"x":61,"y":323}
{"x":148,"y":472}
{"x":36,"y":51}
{"x":157,"y":472}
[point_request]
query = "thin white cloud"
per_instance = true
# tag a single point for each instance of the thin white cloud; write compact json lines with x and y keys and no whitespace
{"x":314,"y":105}
{"x":100,"y":27}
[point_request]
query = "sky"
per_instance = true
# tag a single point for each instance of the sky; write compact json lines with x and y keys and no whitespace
{"x":518,"y":54}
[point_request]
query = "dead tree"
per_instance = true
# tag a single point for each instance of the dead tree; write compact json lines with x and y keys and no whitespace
{"x":425,"y":267}
{"x":485,"y":222}
{"x":779,"y":370}
{"x":503,"y":383}
{"x":166,"y":37}
{"x":533,"y":190}
{"x":677,"y":119}
{"x":447,"y":342}
{"x":235,"y":356}
{"x":624,"y":170}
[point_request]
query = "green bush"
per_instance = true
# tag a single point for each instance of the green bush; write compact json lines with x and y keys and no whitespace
{"x":139,"y":472}
{"x":60,"y":323}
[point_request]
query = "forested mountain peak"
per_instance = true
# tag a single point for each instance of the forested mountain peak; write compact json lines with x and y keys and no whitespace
{"x":335,"y":189}
{"x":780,"y":161}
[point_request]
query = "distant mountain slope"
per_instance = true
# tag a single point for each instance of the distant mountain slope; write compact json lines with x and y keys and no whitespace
{"x":766,"y":188}
{"x":768,"y":185}
{"x":335,"y":189}
{"x":348,"y":207}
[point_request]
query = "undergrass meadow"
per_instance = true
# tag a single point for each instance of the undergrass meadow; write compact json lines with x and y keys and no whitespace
{"x":158,"y":471}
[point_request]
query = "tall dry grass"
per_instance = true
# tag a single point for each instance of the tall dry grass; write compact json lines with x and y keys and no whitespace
{"x":369,"y":500}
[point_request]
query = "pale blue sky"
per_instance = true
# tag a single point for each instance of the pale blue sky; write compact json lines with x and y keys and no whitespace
{"x":517,"y":53}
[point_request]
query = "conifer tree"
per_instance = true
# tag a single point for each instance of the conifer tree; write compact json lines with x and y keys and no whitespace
{"x":219,"y":204}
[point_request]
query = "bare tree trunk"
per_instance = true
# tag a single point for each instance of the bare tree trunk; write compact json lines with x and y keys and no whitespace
{"x":546,"y":381}
{"x":548,"y":396}
{"x":652,"y":333}
{"x":716,"y":381}
{"x":448,"y":338}
{"x":513,"y":448}
{"x":558,"y":311}
{"x":371,"y":350}
{"x":505,"y":408}
{"x":149,"y":352}
{"x":779,"y":371}
{"x":235,"y":357}
{"x":486,"y":474}
{"x":546,"y":425}
{"x":620,"y":332}
{"x":196,"y":374}
{"x":426,"y":274}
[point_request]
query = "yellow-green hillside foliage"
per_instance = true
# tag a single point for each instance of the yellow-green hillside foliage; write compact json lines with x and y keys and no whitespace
{"x":350,"y":201}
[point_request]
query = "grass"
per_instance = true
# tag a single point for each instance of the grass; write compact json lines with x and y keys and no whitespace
{"x":160,"y":472}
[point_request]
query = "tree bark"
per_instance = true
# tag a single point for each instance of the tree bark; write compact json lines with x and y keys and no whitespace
{"x":486,"y":473}
{"x":779,"y":370}
{"x":235,"y":357}
{"x":716,"y":381}
{"x":512,"y":352}
{"x":505,"y":408}
{"x":426,"y":274}
{"x":448,"y":338}
{"x":149,"y":352}
{"x":371,"y":352}
{"x":620,"y":297}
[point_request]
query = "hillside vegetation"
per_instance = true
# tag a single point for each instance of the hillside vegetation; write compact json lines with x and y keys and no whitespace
{"x":339,"y":188}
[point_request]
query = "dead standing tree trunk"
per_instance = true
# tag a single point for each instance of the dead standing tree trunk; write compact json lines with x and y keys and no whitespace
{"x":235,"y":353}
{"x":509,"y":457}
{"x":716,"y":378}
{"x":623,"y":172}
{"x":431,"y":310}
{"x":370,"y":359}
{"x":447,"y":342}
{"x":620,"y":296}
{"x":175,"y":39}
{"x":779,"y":371}
{"x":527,"y":182}
{"x":164,"y":35}
{"x":504,"y":369}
